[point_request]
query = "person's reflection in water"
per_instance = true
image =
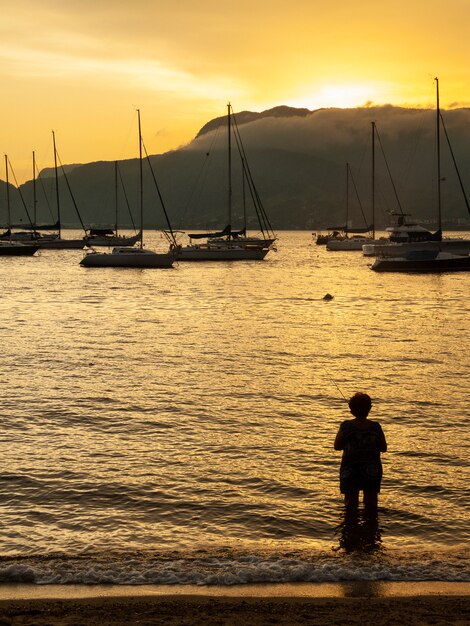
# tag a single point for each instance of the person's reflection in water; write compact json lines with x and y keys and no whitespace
{"x":359,"y":531}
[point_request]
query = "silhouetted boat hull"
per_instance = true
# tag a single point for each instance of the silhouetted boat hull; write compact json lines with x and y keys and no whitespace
{"x":17,"y":249}
{"x":452,"y":246}
{"x":112,"y":240}
{"x":423,"y":262}
{"x":128,"y":257}
{"x":208,"y":252}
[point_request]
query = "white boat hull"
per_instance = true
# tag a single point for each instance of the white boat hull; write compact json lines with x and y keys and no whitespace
{"x":222,"y":253}
{"x":128,"y":257}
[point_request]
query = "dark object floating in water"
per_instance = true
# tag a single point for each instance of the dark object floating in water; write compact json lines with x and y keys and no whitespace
{"x":328,"y":296}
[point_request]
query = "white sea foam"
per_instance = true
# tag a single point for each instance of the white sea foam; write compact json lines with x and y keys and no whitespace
{"x":242,"y":569}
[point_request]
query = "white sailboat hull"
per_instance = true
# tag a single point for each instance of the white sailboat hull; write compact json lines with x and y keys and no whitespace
{"x":129,"y":257}
{"x":220,"y":253}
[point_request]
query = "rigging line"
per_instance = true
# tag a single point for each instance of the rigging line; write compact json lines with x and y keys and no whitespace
{"x":71,"y":194}
{"x":126,"y":198}
{"x":246,"y":179}
{"x":358,"y":198}
{"x":21,"y":196}
{"x":173,"y":238}
{"x":455,"y":163}
{"x":40,"y":180}
{"x":261,"y":208}
{"x":389,"y":172}
{"x":200,"y":178}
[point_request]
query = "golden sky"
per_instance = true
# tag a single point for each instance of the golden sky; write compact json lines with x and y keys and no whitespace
{"x":82,"y":67}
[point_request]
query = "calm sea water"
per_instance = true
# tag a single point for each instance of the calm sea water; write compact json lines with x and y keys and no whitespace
{"x":176,"y":426}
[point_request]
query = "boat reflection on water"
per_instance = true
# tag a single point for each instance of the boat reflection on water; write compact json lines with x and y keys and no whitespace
{"x":359,"y":531}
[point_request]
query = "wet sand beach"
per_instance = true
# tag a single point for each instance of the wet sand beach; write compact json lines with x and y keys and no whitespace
{"x":210,"y":607}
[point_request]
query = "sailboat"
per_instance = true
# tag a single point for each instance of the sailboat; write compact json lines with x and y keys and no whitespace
{"x":403,"y":228}
{"x":55,"y":240}
{"x":35,"y":233}
{"x":428,"y":256}
{"x":357,"y":240}
{"x":129,"y":256}
{"x":101,"y":236}
{"x":228,"y":244}
{"x":10,"y":247}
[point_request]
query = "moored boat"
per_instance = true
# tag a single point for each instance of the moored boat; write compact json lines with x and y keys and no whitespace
{"x":228,"y":244}
{"x":408,"y":237}
{"x":352,"y":238}
{"x":16,"y":248}
{"x":223,"y":252}
{"x":9,"y":247}
{"x":405,"y":232}
{"x":128,"y":257}
{"x":423,"y":262}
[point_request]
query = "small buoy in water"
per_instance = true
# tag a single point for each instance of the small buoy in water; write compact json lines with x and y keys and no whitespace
{"x":328,"y":296}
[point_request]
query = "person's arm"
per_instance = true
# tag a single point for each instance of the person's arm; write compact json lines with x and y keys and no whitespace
{"x":339,"y":440}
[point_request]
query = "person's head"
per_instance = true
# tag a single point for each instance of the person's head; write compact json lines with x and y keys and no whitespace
{"x":360,"y":405}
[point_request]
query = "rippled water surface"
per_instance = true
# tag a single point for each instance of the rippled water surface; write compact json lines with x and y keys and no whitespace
{"x":154,"y":418}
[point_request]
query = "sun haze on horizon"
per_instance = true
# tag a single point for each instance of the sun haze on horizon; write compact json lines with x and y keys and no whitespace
{"x":83,"y":68}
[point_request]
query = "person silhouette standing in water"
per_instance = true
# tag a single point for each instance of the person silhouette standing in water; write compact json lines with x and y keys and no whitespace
{"x":361,"y":440}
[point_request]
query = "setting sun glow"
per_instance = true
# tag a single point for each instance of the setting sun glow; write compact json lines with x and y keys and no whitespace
{"x":83,"y":69}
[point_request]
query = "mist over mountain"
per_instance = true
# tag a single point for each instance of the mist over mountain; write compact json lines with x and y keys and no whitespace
{"x":298,"y":161}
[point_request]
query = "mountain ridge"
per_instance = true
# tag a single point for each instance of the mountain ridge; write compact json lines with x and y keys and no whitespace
{"x":297,"y":158}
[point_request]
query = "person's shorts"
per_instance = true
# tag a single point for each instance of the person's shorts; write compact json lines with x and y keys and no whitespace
{"x":360,"y":477}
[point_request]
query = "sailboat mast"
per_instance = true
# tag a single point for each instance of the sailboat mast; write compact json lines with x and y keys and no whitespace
{"x":244,"y":193}
{"x":373,"y":180}
{"x":141,"y":183}
{"x":56,"y":183}
{"x":229,"y":171}
{"x":347,"y":196}
{"x":34,"y":190}
{"x":8,"y":198}
{"x":116,"y":194}
{"x":438,"y":141}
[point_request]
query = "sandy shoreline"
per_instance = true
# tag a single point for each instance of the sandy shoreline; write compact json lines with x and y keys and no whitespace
{"x":210,"y":607}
